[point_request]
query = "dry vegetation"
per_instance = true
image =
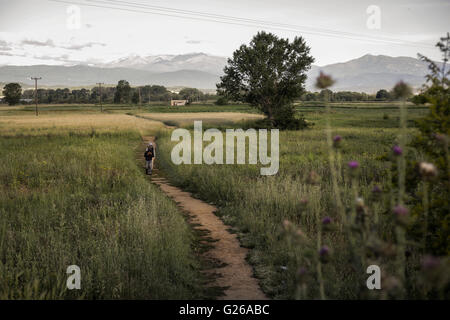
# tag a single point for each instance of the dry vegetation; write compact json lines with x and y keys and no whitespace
{"x":183,"y":119}
{"x":75,"y":122}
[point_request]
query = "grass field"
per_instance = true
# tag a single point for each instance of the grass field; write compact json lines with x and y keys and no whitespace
{"x":128,"y":108}
{"x":264,"y":211}
{"x":72,"y":193}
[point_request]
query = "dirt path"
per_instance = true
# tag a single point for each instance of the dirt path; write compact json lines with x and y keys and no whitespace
{"x":234,"y":273}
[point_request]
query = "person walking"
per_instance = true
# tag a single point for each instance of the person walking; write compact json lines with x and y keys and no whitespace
{"x":149,"y":156}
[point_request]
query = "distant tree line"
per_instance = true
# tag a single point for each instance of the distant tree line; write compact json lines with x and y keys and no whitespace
{"x":123,"y":93}
{"x":347,"y":96}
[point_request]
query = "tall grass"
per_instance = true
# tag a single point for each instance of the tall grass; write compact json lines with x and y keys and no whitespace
{"x":71,"y":198}
{"x":291,"y":220}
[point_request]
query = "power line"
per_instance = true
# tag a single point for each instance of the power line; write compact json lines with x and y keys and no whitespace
{"x":35,"y":93}
{"x":202,"y":16}
{"x":264,"y":22}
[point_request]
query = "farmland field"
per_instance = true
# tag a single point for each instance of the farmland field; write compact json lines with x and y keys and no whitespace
{"x":72,"y":191}
{"x":257,"y":207}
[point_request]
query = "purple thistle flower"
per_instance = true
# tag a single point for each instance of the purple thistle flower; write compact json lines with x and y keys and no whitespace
{"x":353,"y":165}
{"x":401,"y":214}
{"x":326,"y":220}
{"x":401,"y":211}
{"x":397,"y":150}
{"x":376,"y":189}
{"x":301,"y":271}
{"x":336,"y":141}
{"x":324,"y":251}
{"x":430,"y":262}
{"x":441,"y":138}
{"x":324,"y":254}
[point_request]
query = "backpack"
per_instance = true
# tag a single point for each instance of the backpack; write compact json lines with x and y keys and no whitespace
{"x":149,"y":153}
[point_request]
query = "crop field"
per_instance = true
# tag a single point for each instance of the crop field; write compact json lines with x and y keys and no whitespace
{"x":72,"y":192}
{"x":211,"y":118}
{"x":74,"y":122}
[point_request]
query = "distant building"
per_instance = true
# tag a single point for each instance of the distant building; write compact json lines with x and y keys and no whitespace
{"x":178,"y":102}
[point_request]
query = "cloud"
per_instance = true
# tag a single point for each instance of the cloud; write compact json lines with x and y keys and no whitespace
{"x":48,"y":43}
{"x":5,"y":46}
{"x":12,"y":54}
{"x":62,"y":57}
{"x":51,"y":44}
{"x":83,"y":45}
{"x":194,"y":41}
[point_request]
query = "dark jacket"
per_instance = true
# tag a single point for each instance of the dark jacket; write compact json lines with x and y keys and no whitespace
{"x":149,"y":153}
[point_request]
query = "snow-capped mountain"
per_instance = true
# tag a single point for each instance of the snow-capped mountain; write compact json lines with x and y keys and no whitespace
{"x":170,"y":63}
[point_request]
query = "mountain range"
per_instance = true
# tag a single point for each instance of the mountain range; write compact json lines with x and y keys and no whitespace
{"x":368,"y":73}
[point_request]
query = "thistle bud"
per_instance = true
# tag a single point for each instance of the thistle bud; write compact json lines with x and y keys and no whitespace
{"x":376,"y":189}
{"x":302,"y":274}
{"x":401,"y":90}
{"x":326,"y":220}
{"x":324,"y":254}
{"x":324,"y":81}
{"x":397,"y":150}
{"x":313,"y":178}
{"x":377,"y":192}
{"x":401,"y":214}
{"x":327,"y":224}
{"x":353,"y":165}
{"x":359,"y":202}
{"x":287,"y":224}
{"x":427,"y":170}
{"x":337,"y":141}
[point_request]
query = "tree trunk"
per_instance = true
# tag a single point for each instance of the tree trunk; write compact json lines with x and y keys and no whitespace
{"x":270,"y":114}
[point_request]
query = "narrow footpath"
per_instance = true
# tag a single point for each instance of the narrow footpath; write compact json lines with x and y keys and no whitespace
{"x":230,"y":269}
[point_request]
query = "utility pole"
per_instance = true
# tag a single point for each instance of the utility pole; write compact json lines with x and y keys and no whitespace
{"x":139,"y":90}
{"x":35,"y":92}
{"x":100,"y":89}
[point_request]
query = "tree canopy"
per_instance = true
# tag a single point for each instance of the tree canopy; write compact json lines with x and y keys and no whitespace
{"x":123,"y":92}
{"x":383,"y":95}
{"x":12,"y":93}
{"x":191,"y":94}
{"x":269,"y":73}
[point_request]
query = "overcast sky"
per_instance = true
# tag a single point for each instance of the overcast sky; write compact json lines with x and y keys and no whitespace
{"x":44,"y":32}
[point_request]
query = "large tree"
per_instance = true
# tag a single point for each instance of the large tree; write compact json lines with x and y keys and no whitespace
{"x":382,"y":95}
{"x":12,"y":93}
{"x":269,"y":73}
{"x":123,"y":92}
{"x":191,"y":94}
